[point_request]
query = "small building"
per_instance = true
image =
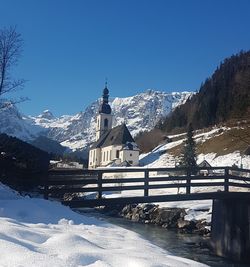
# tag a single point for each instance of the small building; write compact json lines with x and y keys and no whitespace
{"x":65,"y":164}
{"x":205,"y":164}
{"x":113,"y":146}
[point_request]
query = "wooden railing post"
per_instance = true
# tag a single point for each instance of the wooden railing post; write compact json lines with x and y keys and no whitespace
{"x":46,"y":186}
{"x":146,"y":176}
{"x":226,"y":180}
{"x":99,"y":196}
{"x":188,"y":189}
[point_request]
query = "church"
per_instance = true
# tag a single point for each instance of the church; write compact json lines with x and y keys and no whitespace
{"x":113,"y":146}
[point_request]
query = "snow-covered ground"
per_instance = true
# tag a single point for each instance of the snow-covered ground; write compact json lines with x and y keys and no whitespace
{"x":159,"y":157}
{"x":37,"y":232}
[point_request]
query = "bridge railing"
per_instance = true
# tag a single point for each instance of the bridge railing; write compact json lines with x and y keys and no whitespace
{"x":145,"y":182}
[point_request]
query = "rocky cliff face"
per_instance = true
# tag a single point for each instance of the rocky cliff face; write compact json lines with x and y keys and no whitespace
{"x":140,"y":112}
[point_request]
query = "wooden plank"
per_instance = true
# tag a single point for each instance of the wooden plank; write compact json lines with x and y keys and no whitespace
{"x":177,"y":185}
{"x":184,"y":178}
{"x":207,"y":184}
{"x":73,"y":182}
{"x":122,"y":180}
{"x":154,"y":199}
{"x":131,"y":169}
{"x":161,"y":186}
{"x":146,"y":179}
{"x":167,"y":179}
{"x":72,"y":190}
{"x":239,"y":169}
{"x":123,"y":188}
{"x":239,"y":178}
{"x":226,"y":180}
{"x":239,"y":185}
{"x":67,"y":172}
{"x":73,"y":176}
{"x":188,"y":188}
{"x":99,"y":185}
{"x":120,"y":170}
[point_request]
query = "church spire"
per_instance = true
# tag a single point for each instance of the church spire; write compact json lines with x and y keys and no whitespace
{"x":105,"y":107}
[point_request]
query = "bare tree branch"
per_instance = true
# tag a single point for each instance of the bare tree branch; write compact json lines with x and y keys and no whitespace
{"x":10,"y":102}
{"x":10,"y":51}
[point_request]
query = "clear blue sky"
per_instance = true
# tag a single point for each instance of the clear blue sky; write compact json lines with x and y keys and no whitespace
{"x":72,"y":45}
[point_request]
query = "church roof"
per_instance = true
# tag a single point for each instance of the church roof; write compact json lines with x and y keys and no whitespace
{"x":204,"y":163}
{"x":119,"y":135}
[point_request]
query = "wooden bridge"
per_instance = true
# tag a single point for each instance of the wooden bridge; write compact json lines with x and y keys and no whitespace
{"x":173,"y":184}
{"x":229,"y":188}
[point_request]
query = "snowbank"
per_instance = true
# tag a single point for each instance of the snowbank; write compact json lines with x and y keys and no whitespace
{"x":36,"y":232}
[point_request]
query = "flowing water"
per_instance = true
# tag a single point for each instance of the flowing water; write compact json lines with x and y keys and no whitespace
{"x":182,"y":245}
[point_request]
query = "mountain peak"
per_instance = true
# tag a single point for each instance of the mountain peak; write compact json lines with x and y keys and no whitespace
{"x":46,"y":114}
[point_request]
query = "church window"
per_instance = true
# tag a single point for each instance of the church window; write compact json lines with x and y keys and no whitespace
{"x":107,"y":157}
{"x":103,"y":156}
{"x":130,"y":154}
{"x":110,"y":155}
{"x":106,"y":123}
{"x":117,"y":154}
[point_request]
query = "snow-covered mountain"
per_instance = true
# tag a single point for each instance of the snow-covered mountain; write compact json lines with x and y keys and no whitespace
{"x":14,"y":124}
{"x":140,"y":112}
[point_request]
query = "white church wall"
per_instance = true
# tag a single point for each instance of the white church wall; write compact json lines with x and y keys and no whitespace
{"x":131,"y":156}
{"x":109,"y":153}
{"x":94,"y":158}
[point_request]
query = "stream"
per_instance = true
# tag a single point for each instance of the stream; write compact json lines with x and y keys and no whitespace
{"x":182,"y":245}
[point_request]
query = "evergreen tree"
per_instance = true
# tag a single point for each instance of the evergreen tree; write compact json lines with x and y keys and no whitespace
{"x":189,"y":151}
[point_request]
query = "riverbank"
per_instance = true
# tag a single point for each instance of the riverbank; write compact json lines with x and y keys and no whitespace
{"x":181,"y":219}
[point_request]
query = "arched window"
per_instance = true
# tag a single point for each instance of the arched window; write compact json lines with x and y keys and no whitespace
{"x":106,"y":123}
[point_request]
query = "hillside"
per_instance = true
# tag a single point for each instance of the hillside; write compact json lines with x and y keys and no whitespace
{"x":48,"y":145}
{"x":222,"y":97}
{"x":22,"y":154}
{"x":223,"y":145}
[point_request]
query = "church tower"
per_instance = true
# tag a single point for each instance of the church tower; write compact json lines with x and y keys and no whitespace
{"x":104,"y":117}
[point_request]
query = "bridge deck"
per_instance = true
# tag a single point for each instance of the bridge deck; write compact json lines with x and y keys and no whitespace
{"x":155,"y":199}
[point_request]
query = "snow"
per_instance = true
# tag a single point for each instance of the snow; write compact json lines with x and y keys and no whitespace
{"x":37,"y":232}
{"x":159,"y":157}
{"x":226,"y":160}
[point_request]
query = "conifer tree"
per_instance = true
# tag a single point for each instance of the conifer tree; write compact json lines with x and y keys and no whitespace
{"x":189,"y":151}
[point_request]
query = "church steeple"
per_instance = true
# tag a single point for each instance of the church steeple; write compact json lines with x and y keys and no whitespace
{"x":104,"y":118}
{"x":105,"y":107}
